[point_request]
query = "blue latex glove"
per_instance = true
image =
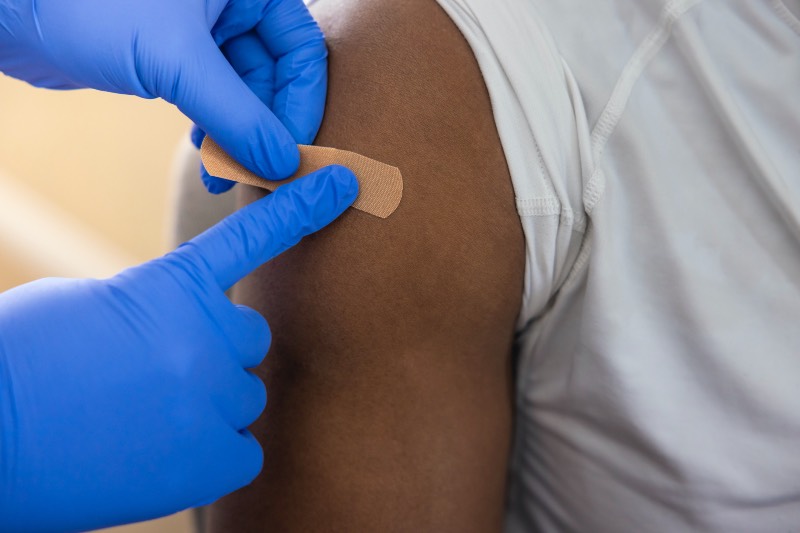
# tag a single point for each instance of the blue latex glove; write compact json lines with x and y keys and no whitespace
{"x":127,"y":399}
{"x":299,"y":105}
{"x":171,"y":49}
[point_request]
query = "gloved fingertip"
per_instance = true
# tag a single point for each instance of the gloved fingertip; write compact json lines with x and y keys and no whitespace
{"x":274,"y":156}
{"x":284,"y":163}
{"x":346,"y":184}
{"x":197,"y":136}
{"x":213,"y":184}
{"x":314,"y":201}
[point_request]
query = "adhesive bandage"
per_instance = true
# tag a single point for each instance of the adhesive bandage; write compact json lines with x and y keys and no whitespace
{"x":380,"y":185}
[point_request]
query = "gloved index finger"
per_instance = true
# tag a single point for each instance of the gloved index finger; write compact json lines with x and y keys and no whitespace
{"x":255,"y":234}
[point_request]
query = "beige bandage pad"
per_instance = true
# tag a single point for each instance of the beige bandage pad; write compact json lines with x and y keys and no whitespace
{"x":380,"y":185}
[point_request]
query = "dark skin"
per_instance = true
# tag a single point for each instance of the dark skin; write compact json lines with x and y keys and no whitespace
{"x":389,"y":376}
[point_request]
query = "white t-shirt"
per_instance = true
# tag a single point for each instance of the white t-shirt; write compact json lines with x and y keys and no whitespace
{"x":654,"y":147}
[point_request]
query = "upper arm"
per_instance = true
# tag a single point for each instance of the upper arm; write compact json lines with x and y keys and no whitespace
{"x":389,"y":378}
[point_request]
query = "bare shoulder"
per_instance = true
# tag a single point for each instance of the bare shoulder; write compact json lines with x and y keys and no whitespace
{"x":405,"y":89}
{"x":389,"y":376}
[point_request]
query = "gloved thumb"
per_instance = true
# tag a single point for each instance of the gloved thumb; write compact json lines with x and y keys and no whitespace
{"x":208,"y":90}
{"x":266,"y":228}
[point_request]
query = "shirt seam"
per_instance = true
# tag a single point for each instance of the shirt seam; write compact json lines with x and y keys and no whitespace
{"x":551,"y":206}
{"x":613,"y":111}
{"x":617,"y":103}
{"x":787,"y":15}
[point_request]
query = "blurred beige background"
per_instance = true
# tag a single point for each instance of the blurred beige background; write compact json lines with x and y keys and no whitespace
{"x":95,"y":164}
{"x":84,"y":190}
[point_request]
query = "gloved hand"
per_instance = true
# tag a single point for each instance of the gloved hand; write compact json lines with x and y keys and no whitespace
{"x":171,"y":49}
{"x":127,"y":399}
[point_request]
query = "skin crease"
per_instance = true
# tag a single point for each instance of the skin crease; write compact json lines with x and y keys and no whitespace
{"x":389,"y":377}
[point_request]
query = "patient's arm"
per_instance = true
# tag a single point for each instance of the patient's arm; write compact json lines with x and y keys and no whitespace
{"x":389,"y":378}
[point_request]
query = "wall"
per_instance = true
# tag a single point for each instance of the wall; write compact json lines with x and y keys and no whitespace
{"x":95,"y":163}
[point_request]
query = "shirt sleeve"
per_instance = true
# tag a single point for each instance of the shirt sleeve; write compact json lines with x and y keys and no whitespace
{"x":542,"y":125}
